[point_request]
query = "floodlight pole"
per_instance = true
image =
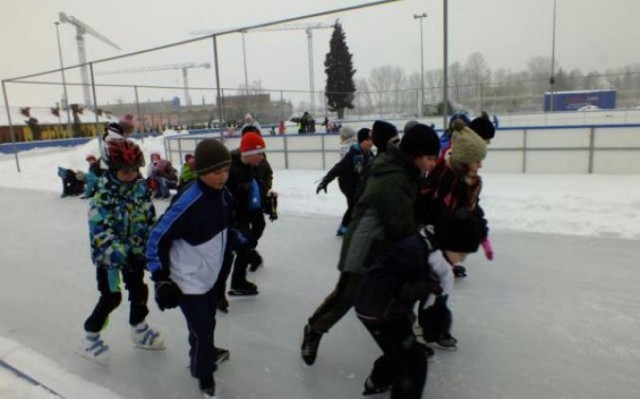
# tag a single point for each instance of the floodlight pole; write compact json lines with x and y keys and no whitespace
{"x":219,"y":95}
{"x":445,"y":77}
{"x":13,"y":134}
{"x":64,"y":80}
{"x":421,"y":17}
{"x":244,"y":58}
{"x":552,"y":79}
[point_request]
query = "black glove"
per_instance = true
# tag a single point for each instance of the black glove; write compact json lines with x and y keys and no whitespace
{"x":322,"y":186}
{"x":271,"y":207}
{"x":167,"y":294}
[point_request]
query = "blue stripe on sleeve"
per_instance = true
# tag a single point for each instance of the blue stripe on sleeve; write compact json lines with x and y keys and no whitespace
{"x":182,"y":204}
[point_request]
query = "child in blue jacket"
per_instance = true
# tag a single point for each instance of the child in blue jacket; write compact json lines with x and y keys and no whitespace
{"x":185,"y":252}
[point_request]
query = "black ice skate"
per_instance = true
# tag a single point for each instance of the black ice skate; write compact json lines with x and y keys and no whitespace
{"x":459,"y":271}
{"x":310,"y":343}
{"x":221,"y":355}
{"x":447,"y":341}
{"x":255,"y":261}
{"x":244,"y":288}
{"x":223,"y":305}
{"x":370,"y":388}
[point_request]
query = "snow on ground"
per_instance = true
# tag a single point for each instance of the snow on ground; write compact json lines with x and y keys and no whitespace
{"x":576,"y":204}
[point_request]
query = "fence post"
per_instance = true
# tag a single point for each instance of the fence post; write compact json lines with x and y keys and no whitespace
{"x":286,"y":152}
{"x":524,"y":151}
{"x":138,"y":111}
{"x":13,"y":134}
{"x":591,"y":147}
{"x":324,"y":161}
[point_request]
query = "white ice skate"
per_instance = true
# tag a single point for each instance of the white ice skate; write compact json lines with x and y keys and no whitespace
{"x":145,"y":337}
{"x":94,"y":349}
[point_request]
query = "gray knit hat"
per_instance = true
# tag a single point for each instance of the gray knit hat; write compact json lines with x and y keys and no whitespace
{"x":210,"y":155}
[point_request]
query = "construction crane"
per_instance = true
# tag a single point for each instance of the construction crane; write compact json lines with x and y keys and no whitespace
{"x":81,"y":30}
{"x":308,"y":28}
{"x":185,"y":73}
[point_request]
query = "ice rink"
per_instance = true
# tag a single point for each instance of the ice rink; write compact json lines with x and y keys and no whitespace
{"x":553,"y":316}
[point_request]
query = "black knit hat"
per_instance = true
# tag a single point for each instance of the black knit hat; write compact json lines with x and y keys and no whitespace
{"x":364,"y":134}
{"x":381,"y":133}
{"x":458,"y":231}
{"x":483,"y":127}
{"x":420,"y":140}
{"x":211,"y":155}
{"x":250,"y":128}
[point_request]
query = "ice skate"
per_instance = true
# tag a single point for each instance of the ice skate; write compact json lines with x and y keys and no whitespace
{"x":208,"y":388}
{"x":145,"y":337}
{"x":93,"y":348}
{"x":447,"y":341}
{"x":256,"y":261}
{"x":221,"y":355}
{"x":459,"y":271}
{"x":244,"y":288}
{"x":370,"y":388}
{"x":310,"y":344}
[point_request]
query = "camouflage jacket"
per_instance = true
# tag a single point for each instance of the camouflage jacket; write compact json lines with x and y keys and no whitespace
{"x":120,"y":218}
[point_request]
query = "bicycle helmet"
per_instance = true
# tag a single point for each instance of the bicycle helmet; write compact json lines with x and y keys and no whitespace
{"x":123,"y":153}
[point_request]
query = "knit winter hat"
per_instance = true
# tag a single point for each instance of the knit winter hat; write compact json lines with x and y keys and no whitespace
{"x":420,"y":140}
{"x":382,"y":132}
{"x":250,"y":128}
{"x":458,"y":231}
{"x":346,"y":133}
{"x":252,"y":143}
{"x":483,"y":127}
{"x":364,"y":134}
{"x":211,"y":155}
{"x":409,"y":125}
{"x":128,"y":120}
{"x":467,"y":145}
{"x":461,"y":116}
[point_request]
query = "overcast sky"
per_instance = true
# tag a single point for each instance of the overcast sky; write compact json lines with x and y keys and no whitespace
{"x":590,"y":35}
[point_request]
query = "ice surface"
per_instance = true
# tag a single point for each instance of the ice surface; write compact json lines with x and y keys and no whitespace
{"x":553,"y":316}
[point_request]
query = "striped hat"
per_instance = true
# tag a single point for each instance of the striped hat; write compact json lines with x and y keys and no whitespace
{"x":252,"y":143}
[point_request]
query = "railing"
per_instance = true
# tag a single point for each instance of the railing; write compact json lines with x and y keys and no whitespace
{"x":613,"y":149}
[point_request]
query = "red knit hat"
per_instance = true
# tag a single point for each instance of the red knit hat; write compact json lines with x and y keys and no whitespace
{"x":252,"y":143}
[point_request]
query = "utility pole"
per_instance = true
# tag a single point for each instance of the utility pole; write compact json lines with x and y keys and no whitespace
{"x":64,"y":80}
{"x":445,"y":84}
{"x":421,"y":17}
{"x":552,"y":79}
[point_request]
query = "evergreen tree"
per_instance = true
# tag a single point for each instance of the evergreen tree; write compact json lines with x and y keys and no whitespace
{"x":338,"y":66}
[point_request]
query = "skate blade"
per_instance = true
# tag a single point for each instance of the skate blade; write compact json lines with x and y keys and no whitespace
{"x":242,"y":293}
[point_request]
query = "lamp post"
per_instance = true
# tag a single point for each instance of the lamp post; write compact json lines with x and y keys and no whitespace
{"x":552,"y":79}
{"x":421,"y":17}
{"x":445,"y":72}
{"x":64,"y":80}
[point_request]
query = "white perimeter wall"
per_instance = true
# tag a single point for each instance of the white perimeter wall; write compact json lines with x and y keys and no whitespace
{"x":609,"y":150}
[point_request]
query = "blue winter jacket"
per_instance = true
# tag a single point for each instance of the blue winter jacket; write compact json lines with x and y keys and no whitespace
{"x":190,"y":239}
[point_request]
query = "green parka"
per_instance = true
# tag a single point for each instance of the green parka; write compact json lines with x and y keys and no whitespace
{"x":385,"y":213}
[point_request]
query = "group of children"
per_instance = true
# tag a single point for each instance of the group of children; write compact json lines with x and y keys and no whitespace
{"x":415,"y":219}
{"x":212,"y":225}
{"x":413,"y":214}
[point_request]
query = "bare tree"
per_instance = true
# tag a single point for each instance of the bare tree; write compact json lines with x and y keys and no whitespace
{"x":363,"y":96}
{"x":478,"y":74}
{"x":387,"y":82}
